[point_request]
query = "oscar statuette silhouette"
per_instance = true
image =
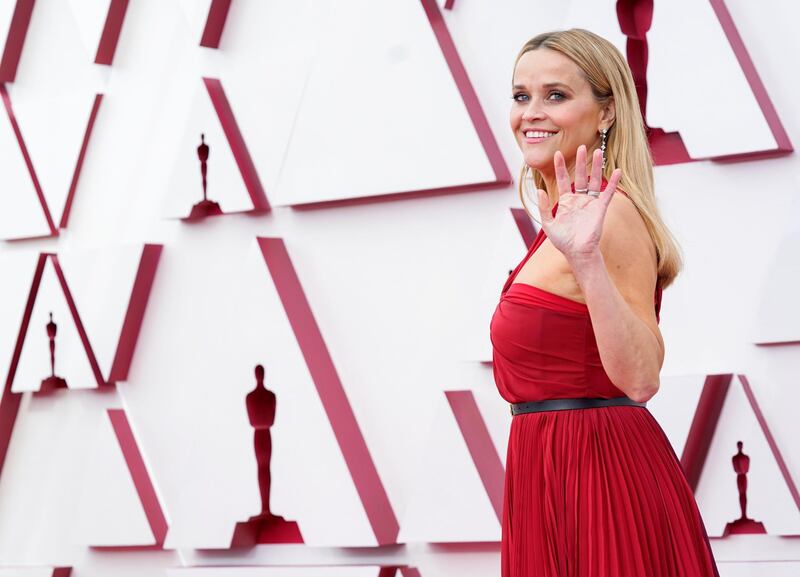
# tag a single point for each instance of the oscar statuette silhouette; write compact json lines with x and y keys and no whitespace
{"x":52,"y":382}
{"x":635,"y":19}
{"x":265,"y":527}
{"x":205,"y":207}
{"x":741,"y":464}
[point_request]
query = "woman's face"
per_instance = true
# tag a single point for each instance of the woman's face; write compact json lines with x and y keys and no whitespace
{"x":552,"y":96}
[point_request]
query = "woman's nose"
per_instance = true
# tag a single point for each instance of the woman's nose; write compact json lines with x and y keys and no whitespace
{"x":532,"y":112}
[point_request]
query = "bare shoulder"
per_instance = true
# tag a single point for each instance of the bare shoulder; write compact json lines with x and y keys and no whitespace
{"x":625,"y":237}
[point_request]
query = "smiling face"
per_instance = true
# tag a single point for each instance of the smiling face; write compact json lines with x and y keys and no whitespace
{"x":553,"y":99}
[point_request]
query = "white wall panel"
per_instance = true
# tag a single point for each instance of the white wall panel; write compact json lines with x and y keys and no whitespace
{"x":381,"y":112}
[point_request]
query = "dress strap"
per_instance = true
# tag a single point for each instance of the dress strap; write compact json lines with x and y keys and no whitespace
{"x":534,"y":245}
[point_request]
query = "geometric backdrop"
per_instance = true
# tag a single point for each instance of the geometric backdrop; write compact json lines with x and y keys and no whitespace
{"x":360,"y":217}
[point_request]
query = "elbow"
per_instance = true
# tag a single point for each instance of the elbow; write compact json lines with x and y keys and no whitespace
{"x":644,"y":392}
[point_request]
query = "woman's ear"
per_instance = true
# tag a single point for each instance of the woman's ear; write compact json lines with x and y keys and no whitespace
{"x":609,"y":113}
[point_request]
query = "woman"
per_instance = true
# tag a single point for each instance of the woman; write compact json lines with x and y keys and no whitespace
{"x":593,"y":488}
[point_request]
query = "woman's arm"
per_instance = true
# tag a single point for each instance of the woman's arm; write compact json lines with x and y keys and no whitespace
{"x":618,"y":284}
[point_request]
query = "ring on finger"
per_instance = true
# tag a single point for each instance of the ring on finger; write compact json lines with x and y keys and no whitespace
{"x":594,"y":193}
{"x":582,"y":190}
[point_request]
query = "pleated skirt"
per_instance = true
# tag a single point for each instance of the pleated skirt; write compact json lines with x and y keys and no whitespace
{"x":598,"y":493}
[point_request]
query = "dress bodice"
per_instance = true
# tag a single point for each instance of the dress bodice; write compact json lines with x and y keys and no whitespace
{"x":543,"y":344}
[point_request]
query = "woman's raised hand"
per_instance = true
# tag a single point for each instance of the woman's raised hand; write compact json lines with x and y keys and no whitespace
{"x":578,"y":224}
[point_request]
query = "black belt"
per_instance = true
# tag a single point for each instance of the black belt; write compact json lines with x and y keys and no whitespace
{"x":563,"y":404}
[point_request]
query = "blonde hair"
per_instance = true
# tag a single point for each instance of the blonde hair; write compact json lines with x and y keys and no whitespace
{"x":627,"y":147}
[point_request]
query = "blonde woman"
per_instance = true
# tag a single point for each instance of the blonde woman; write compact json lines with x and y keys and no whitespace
{"x":593,"y":488}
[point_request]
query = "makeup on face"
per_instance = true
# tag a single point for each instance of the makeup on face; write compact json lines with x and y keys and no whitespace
{"x":553,"y":108}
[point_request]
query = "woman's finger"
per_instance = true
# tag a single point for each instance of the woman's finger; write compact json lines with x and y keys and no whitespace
{"x":606,"y":195}
{"x":580,"y":169}
{"x":596,"y":180}
{"x":562,"y":174}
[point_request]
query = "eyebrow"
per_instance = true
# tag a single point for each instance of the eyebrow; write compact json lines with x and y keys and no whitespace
{"x":548,"y":85}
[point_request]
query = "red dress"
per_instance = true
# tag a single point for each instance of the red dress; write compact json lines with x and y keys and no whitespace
{"x":595,"y":492}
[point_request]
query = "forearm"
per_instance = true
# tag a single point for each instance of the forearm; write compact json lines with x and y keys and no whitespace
{"x":628,"y":349}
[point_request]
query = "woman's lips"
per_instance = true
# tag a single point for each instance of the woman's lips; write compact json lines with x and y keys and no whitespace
{"x":537,"y":140}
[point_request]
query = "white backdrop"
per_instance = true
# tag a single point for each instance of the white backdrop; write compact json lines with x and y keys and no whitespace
{"x":350,"y":112}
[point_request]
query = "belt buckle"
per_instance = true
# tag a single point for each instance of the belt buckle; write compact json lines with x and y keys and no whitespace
{"x":511,"y":409}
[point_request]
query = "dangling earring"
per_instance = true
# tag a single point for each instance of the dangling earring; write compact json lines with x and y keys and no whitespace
{"x":603,"y":146}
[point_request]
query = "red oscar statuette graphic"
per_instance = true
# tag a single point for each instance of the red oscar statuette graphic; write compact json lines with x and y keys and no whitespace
{"x":635,"y":18}
{"x":741,"y":464}
{"x":265,"y":527}
{"x":52,"y":382}
{"x":205,"y":207}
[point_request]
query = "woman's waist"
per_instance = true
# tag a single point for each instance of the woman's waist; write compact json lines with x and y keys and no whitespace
{"x":572,"y":403}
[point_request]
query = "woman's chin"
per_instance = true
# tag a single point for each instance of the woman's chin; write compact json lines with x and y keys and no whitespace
{"x":539,"y":163}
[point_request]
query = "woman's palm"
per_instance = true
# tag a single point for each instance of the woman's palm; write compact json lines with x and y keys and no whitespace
{"x":578,"y":224}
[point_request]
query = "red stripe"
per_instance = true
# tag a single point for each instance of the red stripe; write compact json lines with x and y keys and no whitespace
{"x":28,"y":162}
{"x":215,"y":23}
{"x":73,"y":309}
{"x":134,"y":316}
{"x":76,"y":174}
{"x":111,"y":31}
{"x":479,"y":442}
{"x":704,"y":423}
{"x":17,"y":31}
{"x":525,"y":226}
{"x":753,"y":79}
{"x":331,"y":392}
{"x":468,"y":94}
{"x":9,"y":402}
{"x":237,"y":144}
{"x":139,"y":474}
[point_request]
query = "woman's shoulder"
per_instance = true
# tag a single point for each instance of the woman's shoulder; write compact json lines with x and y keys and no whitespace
{"x":623,"y":199}
{"x":604,"y":184}
{"x":624,"y":223}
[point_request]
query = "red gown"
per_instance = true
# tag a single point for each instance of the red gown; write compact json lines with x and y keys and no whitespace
{"x":595,"y":492}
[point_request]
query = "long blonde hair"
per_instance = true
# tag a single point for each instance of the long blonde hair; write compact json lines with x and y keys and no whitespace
{"x":627,"y":147}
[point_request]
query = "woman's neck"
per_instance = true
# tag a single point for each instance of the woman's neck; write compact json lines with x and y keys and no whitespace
{"x":551,"y":186}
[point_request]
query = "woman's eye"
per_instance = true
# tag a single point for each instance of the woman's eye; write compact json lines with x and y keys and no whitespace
{"x":560,"y":96}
